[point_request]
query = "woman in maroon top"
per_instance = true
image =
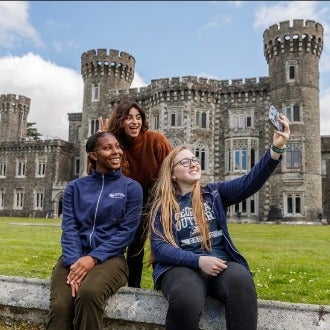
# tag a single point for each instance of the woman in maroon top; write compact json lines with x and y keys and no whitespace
{"x":145,"y":151}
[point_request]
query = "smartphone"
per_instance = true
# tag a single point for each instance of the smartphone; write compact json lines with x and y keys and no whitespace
{"x":273,"y":118}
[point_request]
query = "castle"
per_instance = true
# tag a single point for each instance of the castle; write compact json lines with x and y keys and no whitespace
{"x":224,"y":122}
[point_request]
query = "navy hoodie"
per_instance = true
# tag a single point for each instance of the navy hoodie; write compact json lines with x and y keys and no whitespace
{"x":219,"y":196}
{"x":101,"y":213}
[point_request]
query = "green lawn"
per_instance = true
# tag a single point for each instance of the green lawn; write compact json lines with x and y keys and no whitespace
{"x":290,"y":262}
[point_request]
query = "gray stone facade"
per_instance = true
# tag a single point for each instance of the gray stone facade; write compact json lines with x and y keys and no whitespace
{"x":223,"y":121}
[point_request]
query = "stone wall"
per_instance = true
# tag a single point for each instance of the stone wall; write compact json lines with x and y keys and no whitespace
{"x":134,"y":309}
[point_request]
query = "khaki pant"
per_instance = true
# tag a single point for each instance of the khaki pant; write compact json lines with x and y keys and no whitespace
{"x":85,"y":312}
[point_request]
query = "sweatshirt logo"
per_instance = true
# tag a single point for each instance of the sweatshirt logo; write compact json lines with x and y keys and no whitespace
{"x":117,"y":195}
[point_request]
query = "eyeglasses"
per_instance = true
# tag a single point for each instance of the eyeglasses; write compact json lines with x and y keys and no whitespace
{"x":187,"y":162}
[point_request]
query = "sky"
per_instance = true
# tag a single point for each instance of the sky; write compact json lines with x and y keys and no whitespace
{"x":41,"y":43}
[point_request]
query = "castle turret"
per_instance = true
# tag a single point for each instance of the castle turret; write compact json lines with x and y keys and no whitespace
{"x":292,"y":52}
{"x":13,"y":117}
{"x":102,"y":72}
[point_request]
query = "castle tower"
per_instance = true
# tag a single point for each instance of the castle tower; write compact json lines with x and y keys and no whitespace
{"x":102,"y":72}
{"x":292,"y":53}
{"x":13,"y":117}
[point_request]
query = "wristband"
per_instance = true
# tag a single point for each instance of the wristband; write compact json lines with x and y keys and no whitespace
{"x":278,"y":150}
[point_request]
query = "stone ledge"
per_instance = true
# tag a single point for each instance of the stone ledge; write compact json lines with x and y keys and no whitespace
{"x":28,"y":300}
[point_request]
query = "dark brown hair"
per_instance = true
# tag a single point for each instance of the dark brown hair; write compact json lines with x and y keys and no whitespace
{"x":117,"y":117}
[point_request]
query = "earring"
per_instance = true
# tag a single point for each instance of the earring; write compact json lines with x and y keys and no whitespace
{"x":174,"y":178}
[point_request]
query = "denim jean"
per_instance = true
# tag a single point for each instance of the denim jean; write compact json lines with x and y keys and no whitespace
{"x":185,"y":290}
{"x":85,"y":312}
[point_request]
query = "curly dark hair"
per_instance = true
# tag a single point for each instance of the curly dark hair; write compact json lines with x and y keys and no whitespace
{"x":117,"y":117}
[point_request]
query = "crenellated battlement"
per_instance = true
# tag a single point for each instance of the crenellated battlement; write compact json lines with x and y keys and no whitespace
{"x":103,"y":62}
{"x":14,"y":110}
{"x":194,"y":82}
{"x":299,"y":36}
{"x":197,"y":89}
{"x":13,"y":101}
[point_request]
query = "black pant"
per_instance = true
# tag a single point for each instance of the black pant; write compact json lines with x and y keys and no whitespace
{"x":185,"y":290}
{"x":135,"y":253}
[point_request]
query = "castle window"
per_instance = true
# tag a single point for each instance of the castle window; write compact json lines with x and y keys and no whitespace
{"x":2,"y":198}
{"x":293,"y":112}
{"x":293,"y":157}
{"x":18,"y":198}
{"x":293,"y":204}
{"x":95,"y":92}
{"x":240,"y":160}
{"x":156,"y":122}
{"x":240,"y":155}
{"x":324,"y":167}
{"x":38,"y":199}
{"x":41,"y":168}
{"x":77,"y":166}
{"x":240,"y":120}
{"x":252,"y":157}
{"x":3,"y":169}
{"x":291,"y":71}
{"x":20,"y":168}
{"x":94,"y":126}
{"x":228,"y":161}
{"x":176,"y":119}
{"x":246,"y":207}
{"x":201,"y":119}
{"x":200,"y":153}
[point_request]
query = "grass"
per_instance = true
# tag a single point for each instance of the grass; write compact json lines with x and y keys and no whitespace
{"x":290,"y":262}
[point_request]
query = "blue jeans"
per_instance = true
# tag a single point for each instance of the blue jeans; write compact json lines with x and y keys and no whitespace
{"x":185,"y":290}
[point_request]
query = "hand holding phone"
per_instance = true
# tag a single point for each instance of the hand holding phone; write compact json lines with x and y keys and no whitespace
{"x":273,"y":116}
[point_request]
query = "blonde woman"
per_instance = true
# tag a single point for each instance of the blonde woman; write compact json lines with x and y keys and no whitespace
{"x":193,"y":254}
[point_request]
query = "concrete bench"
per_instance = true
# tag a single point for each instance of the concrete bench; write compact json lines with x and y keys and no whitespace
{"x":28,"y":300}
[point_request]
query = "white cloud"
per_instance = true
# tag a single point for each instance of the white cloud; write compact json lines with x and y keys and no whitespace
{"x":14,"y":25}
{"x":54,"y":91}
{"x":266,"y":14}
{"x":138,"y":81}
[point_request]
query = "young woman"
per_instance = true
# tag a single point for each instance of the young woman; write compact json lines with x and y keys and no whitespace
{"x":193,"y":254}
{"x":101,"y":213}
{"x":145,"y":151}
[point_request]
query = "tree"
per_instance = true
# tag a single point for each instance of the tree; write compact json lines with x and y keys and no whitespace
{"x":32,"y":132}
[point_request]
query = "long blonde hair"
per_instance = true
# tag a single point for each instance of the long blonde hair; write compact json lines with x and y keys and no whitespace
{"x":164,"y":200}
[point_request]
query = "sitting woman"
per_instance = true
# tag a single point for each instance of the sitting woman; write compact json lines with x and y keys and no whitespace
{"x":101,"y":213}
{"x":193,"y":254}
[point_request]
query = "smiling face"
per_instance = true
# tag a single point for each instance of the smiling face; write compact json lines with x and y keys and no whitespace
{"x":107,"y":154}
{"x":186,"y":170}
{"x":132,"y":123}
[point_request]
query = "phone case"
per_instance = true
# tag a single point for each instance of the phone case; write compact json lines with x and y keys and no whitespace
{"x":273,"y":118}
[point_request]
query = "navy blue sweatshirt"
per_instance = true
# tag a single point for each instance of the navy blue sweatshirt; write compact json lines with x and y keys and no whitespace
{"x":101,"y":213}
